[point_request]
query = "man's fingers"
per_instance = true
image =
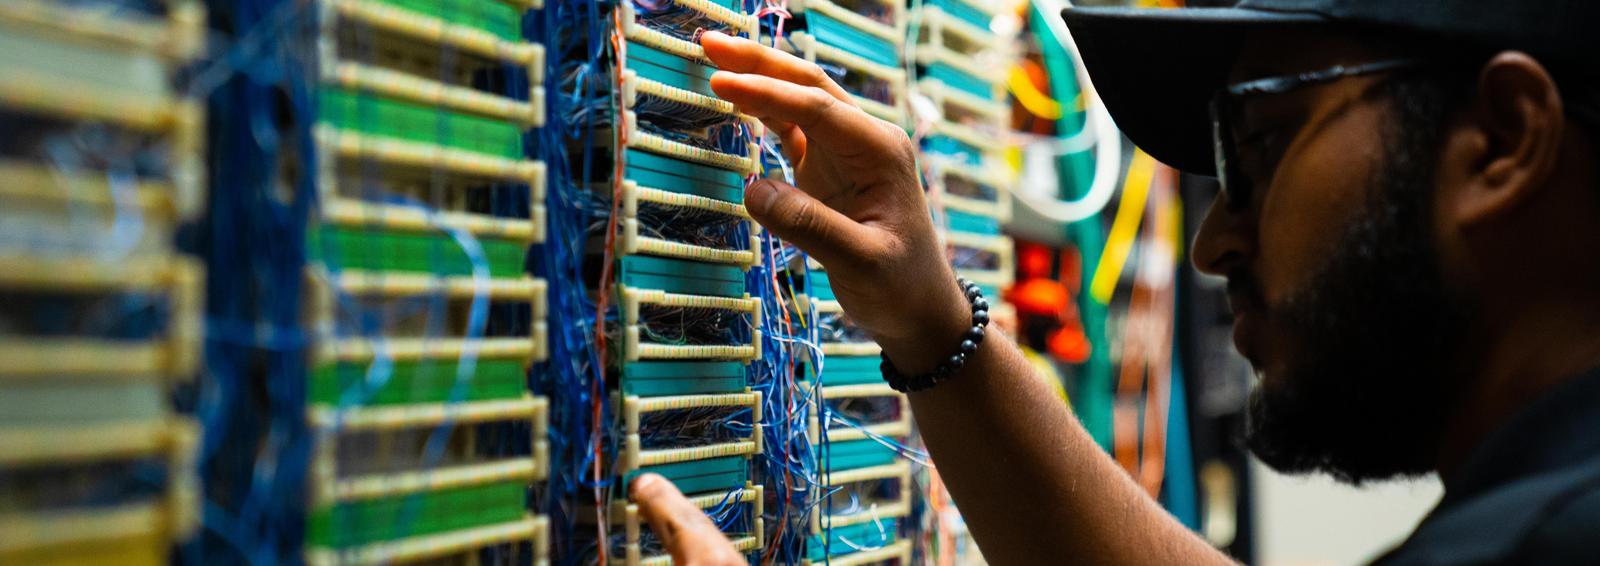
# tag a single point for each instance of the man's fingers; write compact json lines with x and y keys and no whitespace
{"x":804,"y":221}
{"x":741,"y":55}
{"x":684,"y":529}
{"x":846,"y":128}
{"x":793,"y":141}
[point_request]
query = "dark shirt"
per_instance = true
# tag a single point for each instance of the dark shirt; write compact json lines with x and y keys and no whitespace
{"x":1530,"y":494}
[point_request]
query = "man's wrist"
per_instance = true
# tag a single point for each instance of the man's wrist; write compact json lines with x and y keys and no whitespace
{"x":934,"y":326}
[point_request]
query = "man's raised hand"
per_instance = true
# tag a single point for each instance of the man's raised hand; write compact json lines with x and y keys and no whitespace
{"x":857,"y":204}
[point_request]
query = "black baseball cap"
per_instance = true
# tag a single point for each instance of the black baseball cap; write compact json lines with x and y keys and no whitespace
{"x":1157,"y":69}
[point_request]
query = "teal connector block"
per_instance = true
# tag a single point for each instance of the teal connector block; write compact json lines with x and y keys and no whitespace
{"x":963,"y":11}
{"x":655,"y":379}
{"x":848,"y":370}
{"x":838,"y":34}
{"x":847,"y":540}
{"x":957,"y":79}
{"x":700,"y":476}
{"x":671,"y":70}
{"x":857,"y":454}
{"x":678,"y":176}
{"x":682,"y":277}
{"x":821,"y":288}
{"x":959,"y":221}
{"x":952,"y":147}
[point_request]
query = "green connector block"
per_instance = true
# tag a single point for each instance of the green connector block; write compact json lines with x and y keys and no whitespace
{"x":972,"y":223}
{"x":855,"y":454}
{"x":964,"y":11}
{"x":681,"y":276}
{"x":391,"y":118}
{"x":848,"y":540}
{"x":655,"y":379}
{"x":671,"y":70}
{"x":678,"y":176}
{"x":960,"y":80}
{"x":411,"y":382}
{"x":848,"y":370}
{"x":375,"y":249}
{"x":700,"y":476}
{"x":492,"y":16}
{"x":358,"y":523}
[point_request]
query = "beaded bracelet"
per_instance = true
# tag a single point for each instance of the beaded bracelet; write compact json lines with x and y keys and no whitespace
{"x":945,"y":369}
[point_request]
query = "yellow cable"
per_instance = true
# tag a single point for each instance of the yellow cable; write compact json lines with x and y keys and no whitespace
{"x":1130,"y":211}
{"x":1037,"y":103}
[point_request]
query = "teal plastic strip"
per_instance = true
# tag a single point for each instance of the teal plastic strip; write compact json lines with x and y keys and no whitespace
{"x":678,"y":176}
{"x":945,"y":145}
{"x":700,"y":476}
{"x":962,"y":10}
{"x":683,"y":277}
{"x":849,"y":370}
{"x":959,"y":221}
{"x":654,"y":379}
{"x":857,"y":454}
{"x":849,"y":39}
{"x":669,"y":69}
{"x":849,"y":540}
{"x":821,"y":288}
{"x":960,"y":80}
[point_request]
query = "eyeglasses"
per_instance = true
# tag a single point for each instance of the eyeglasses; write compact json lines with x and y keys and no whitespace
{"x":1236,"y":186}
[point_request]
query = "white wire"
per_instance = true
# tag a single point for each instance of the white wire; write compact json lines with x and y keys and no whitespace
{"x":1108,"y":141}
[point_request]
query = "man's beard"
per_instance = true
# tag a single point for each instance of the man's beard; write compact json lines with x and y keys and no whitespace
{"x":1367,"y":387}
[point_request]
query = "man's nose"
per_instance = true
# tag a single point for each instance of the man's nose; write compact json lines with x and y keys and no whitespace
{"x":1226,"y":239}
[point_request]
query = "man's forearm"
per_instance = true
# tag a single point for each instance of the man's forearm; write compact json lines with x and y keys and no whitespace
{"x":1032,"y":484}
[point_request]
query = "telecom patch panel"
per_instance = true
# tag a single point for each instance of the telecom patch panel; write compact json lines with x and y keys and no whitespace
{"x":674,"y":310}
{"x":99,"y":312}
{"x":657,"y":169}
{"x":960,"y":66}
{"x":865,"y":510}
{"x":425,"y":320}
{"x":702,"y":443}
{"x":859,"y":44}
{"x":961,"y":63}
{"x":858,"y":430}
{"x":986,"y":258}
{"x":838,"y":335}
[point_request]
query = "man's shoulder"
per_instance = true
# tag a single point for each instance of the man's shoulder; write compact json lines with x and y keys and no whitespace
{"x":1571,"y":534}
{"x":1547,"y":518}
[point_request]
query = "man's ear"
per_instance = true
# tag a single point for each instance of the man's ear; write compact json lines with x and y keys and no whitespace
{"x":1509,"y":141}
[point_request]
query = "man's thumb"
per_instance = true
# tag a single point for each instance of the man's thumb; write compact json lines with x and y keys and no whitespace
{"x":799,"y":218}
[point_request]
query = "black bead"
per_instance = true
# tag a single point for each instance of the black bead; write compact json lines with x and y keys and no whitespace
{"x":973,"y":293}
{"x":980,"y":318}
{"x":980,"y":304}
{"x":968,"y":346}
{"x":975,"y":334}
{"x":956,"y":362}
